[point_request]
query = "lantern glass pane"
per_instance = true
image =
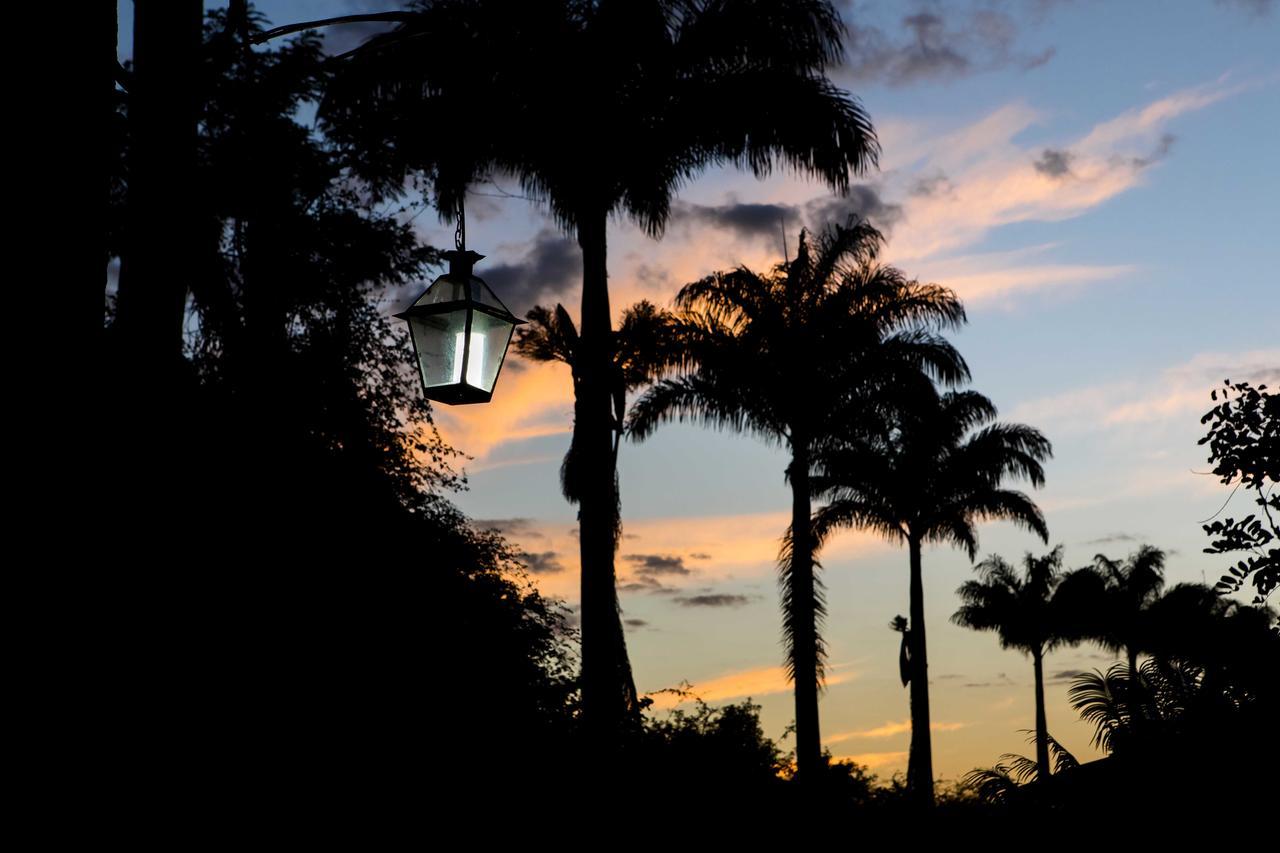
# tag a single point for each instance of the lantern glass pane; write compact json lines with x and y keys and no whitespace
{"x":443,"y":289}
{"x":481,"y":293}
{"x":438,"y":339}
{"x":489,"y":339}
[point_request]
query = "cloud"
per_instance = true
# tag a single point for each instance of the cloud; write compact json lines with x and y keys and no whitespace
{"x":862,"y":200}
{"x":934,"y":43}
{"x":645,"y":584}
{"x":719,"y":599}
{"x":1065,"y":675}
{"x":524,"y":527}
{"x":741,"y":547}
{"x":546,"y":563}
{"x":873,"y":760}
{"x":1001,"y":680}
{"x":1111,"y":538}
{"x":1055,"y":164}
{"x":991,"y":185}
{"x":769,"y":221}
{"x":931,"y":185}
{"x":890,"y":729}
{"x":657,"y":564}
{"x":744,"y":219}
{"x":1180,"y":392}
{"x":1161,"y":150}
{"x":531,"y":400}
{"x":635,"y":623}
{"x":763,"y":681}
{"x":550,"y":266}
{"x":1252,"y":8}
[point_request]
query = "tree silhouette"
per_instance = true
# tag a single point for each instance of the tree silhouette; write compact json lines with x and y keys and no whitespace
{"x":313,"y":553}
{"x":463,"y":91}
{"x":1033,"y":613}
{"x":931,"y":476}
{"x":642,"y":345}
{"x":796,"y":356}
{"x":1244,"y":447}
{"x":1127,"y":591}
{"x":1001,"y":784}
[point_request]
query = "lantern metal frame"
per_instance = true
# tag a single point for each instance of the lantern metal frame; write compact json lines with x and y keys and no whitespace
{"x":461,"y":392}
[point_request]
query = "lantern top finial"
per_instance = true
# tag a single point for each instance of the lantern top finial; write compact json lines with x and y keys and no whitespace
{"x":461,"y":261}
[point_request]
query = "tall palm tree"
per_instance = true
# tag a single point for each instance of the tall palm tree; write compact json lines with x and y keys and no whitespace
{"x":600,"y":108}
{"x":1033,"y":613}
{"x":931,"y":476}
{"x":796,"y":356}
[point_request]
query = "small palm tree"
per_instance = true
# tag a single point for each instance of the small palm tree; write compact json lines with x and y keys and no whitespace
{"x":1129,"y":589}
{"x":931,"y":477}
{"x":642,"y":345}
{"x":1033,"y":613}
{"x":999,"y":785}
{"x":795,"y":357}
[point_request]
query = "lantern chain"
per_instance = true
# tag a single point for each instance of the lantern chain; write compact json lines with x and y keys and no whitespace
{"x":460,"y":234}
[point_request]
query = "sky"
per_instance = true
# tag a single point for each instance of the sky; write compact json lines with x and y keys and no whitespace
{"x":1098,"y":183}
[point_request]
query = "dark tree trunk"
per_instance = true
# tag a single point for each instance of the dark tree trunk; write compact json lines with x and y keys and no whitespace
{"x":158,"y":256}
{"x":1132,"y":653}
{"x":91,"y":278}
{"x":803,"y":616}
{"x":608,"y":691}
{"x":921,"y":741}
{"x":913,"y":770}
{"x":1042,"y":725}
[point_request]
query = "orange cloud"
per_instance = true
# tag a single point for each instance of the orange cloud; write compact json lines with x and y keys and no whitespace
{"x":530,"y":401}
{"x":753,"y":683}
{"x":713,"y":547}
{"x":890,"y":729}
{"x":873,"y":760}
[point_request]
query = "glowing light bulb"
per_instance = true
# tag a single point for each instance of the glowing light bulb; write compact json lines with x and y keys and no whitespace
{"x":475,"y":362}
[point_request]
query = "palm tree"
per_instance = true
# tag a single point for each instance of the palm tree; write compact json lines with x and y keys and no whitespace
{"x":931,"y":477}
{"x":796,"y":356}
{"x":641,"y":346}
{"x":1034,"y":613}
{"x":600,"y":108}
{"x":1129,"y":589}
{"x":999,"y":785}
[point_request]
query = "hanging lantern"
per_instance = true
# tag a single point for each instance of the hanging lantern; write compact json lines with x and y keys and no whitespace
{"x":460,"y":332}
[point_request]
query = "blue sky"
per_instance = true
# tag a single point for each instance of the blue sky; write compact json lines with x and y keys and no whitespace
{"x":1099,"y":183}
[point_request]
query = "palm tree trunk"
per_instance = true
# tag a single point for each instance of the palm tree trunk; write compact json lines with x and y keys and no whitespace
{"x":1132,"y":652}
{"x":803,"y":616}
{"x":921,"y":742}
{"x":1042,"y":725}
{"x":904,"y":657}
{"x":608,"y":691}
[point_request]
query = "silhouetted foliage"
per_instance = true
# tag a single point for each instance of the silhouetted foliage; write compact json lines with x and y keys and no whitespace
{"x":798,"y":356}
{"x":1244,"y":448}
{"x":1187,"y":728}
{"x":316,"y":619}
{"x":1001,"y":784}
{"x":1118,"y":614}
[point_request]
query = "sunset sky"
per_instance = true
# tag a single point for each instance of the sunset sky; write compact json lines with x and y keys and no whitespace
{"x":1099,"y":183}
